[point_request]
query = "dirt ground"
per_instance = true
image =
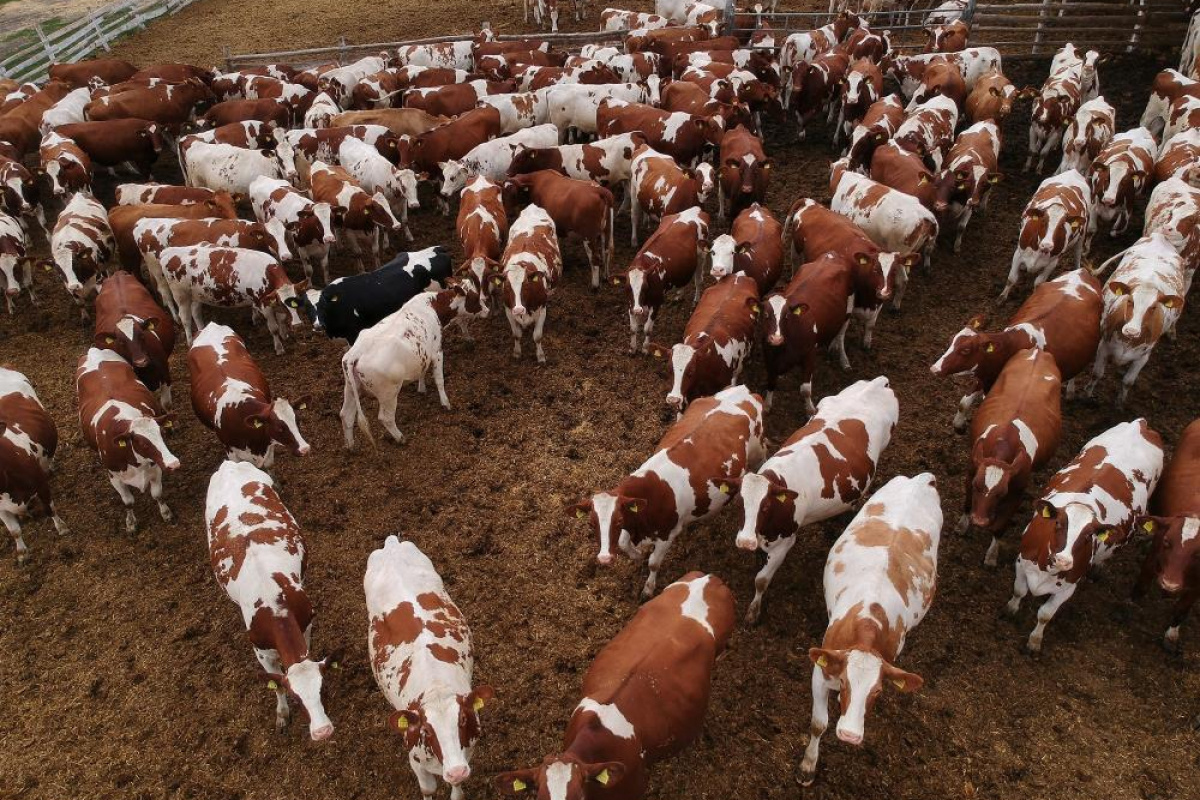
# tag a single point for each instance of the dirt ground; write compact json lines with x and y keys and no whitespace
{"x":126,"y":673}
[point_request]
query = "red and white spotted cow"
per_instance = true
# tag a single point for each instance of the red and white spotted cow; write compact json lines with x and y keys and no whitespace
{"x":1055,"y":221}
{"x":806,"y":46}
{"x":227,"y":167}
{"x":482,"y":227}
{"x":137,"y":194}
{"x":1089,"y":132}
{"x":1172,"y":560}
{"x":378,"y":176}
{"x":493,"y":159}
{"x":65,"y":164}
{"x":659,"y":187}
{"x":1056,"y":104}
{"x":130,"y":323}
{"x":1143,"y":299}
{"x":745,"y":172}
{"x":948,"y":38}
{"x":16,"y":271}
{"x":670,"y":258}
{"x":1016,"y":431}
{"x":863,"y":88}
{"x":904,"y":171}
{"x":815,"y":87}
{"x":1062,"y":316}
{"x":819,"y":472}
{"x":80,"y":246}
{"x":1179,"y":158}
{"x":940,"y":80}
{"x":972,"y":63}
{"x":572,"y":107}
{"x":1086,"y":512}
{"x":360,"y":215}
{"x":1184,"y":114}
{"x":686,"y":480}
{"x":28,"y":440}
{"x":340,"y":81}
{"x":607,"y":161}
{"x":1173,"y":210}
{"x":716,"y":341}
{"x":231,"y":277}
{"x":877,"y":126}
{"x":678,"y":134}
{"x":752,"y":247}
{"x":1168,"y":86}
{"x":423,"y":658}
{"x":451,"y":55}
{"x":403,"y":347}
{"x":258,"y":556}
{"x":880,"y":579}
{"x":531,"y":268}
{"x":615,"y":19}
{"x":972,"y":170}
{"x":895,"y":221}
{"x":230,"y":395}
{"x":121,"y":421}
{"x":644,"y":697}
{"x":1120,"y":174}
{"x":305,"y":227}
{"x":928,"y":129}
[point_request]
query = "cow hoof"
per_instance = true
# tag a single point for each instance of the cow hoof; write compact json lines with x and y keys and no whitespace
{"x":1033,"y":649}
{"x":753,"y":614}
{"x":807,"y":778}
{"x":446,"y":406}
{"x":1172,"y":647}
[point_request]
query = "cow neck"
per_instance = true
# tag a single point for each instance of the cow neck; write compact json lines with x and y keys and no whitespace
{"x":859,"y":631}
{"x":1014,"y":339}
{"x":659,"y":515}
{"x":271,"y":630}
{"x":595,"y":744}
{"x":443,"y":305}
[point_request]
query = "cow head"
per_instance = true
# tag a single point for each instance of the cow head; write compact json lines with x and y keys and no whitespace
{"x":140,"y":440}
{"x":1176,"y":549}
{"x":286,"y":302}
{"x":454,"y":178}
{"x":645,"y":290}
{"x":379,"y":211}
{"x":1116,"y":183}
{"x":221,"y":205}
{"x":860,"y":676}
{"x":1053,"y":112}
{"x":1049,"y":229}
{"x":615,"y":519}
{"x":863,"y":141}
{"x":744,"y":180}
{"x":525,"y":289}
{"x":12,"y":259}
{"x":272,"y":235}
{"x":969,"y":350}
{"x":991,"y":484}
{"x":965,"y":184}
{"x":467,"y":297}
{"x":728,"y":256}
{"x":1073,"y":535}
{"x":275,"y":422}
{"x":705,"y":175}
{"x":561,"y":777}
{"x":771,"y":511}
{"x":1140,"y":312}
{"x":285,"y":154}
{"x":445,"y":725}
{"x":303,"y":682}
{"x":133,"y":339}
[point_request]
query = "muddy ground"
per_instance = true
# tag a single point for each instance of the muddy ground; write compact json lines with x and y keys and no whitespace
{"x":125,"y":669}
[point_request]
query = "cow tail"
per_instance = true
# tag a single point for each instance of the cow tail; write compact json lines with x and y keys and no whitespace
{"x":351,"y":376}
{"x":1098,"y":272}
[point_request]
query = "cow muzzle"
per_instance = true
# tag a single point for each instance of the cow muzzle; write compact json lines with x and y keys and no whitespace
{"x":1129,"y":331}
{"x":321,"y":734}
{"x":675,"y":400}
{"x":605,"y":559}
{"x":849,"y":737}
{"x":456,"y":775}
{"x":775,"y":339}
{"x":640,"y":312}
{"x":12,"y":291}
{"x":1170,"y":587}
{"x":746,"y":541}
{"x":1063,"y":563}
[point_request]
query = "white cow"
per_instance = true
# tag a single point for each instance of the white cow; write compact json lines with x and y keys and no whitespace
{"x":339,"y":82}
{"x":821,"y":471}
{"x":81,"y":238}
{"x":16,"y":271}
{"x":572,"y":107}
{"x":1055,"y":221}
{"x":378,"y":175}
{"x":1093,"y":126}
{"x":873,"y":605}
{"x":452,"y":55}
{"x":1173,"y":210}
{"x":67,"y":111}
{"x":518,"y":110}
{"x":324,"y":108}
{"x":422,"y":659}
{"x":1120,"y":175}
{"x":307,"y":226}
{"x":492,"y":159}
{"x":404,"y":346}
{"x":230,"y":168}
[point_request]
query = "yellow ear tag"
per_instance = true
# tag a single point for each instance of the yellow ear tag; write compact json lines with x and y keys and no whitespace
{"x":781,"y":497}
{"x":402,"y":723}
{"x":991,"y":348}
{"x":1104,"y":536}
{"x":633,"y":508}
{"x":122,"y":443}
{"x":1148,"y":526}
{"x":258,"y":423}
{"x":580,"y":513}
{"x":899,"y":684}
{"x":754,"y":308}
{"x":724,"y":488}
{"x":657,"y":354}
{"x":109,"y":340}
{"x":518,"y":785}
{"x":168,"y":424}
{"x":1046,"y":512}
{"x":47,"y":267}
{"x":602,"y":778}
{"x":822,"y":662}
{"x":478,"y":704}
{"x":272,"y":685}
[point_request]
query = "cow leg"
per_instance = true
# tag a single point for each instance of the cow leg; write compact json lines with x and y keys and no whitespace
{"x":14,"y":529}
{"x":661,"y":548}
{"x":387,"y":412}
{"x":633,"y":333}
{"x":776,"y":553}
{"x":1046,"y":613}
{"x":869,"y":327}
{"x":197,"y":318}
{"x":269,"y":661}
{"x":539,"y":323}
{"x":964,"y":409}
{"x":1014,"y":275}
{"x":273,"y":327}
{"x":1178,"y":614}
{"x":816,"y":728}
{"x":593,"y":264}
{"x":156,"y":492}
{"x":127,"y":501}
{"x":349,"y":412}
{"x":516,"y":332}
{"x":1131,"y":376}
{"x":962,"y":228}
{"x":634,"y":213}
{"x":991,"y":557}
{"x":1020,"y":589}
{"x":1072,"y":387}
{"x":1098,"y":368}
{"x":1033,"y":148}
{"x":720,"y":198}
{"x":439,"y":380}
{"x":164,"y":395}
{"x":426,"y":781}
{"x":648,"y":330}
{"x":28,"y":282}
{"x":901,"y":286}
{"x":838,"y":347}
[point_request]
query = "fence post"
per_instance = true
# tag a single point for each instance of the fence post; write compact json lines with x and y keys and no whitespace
{"x":729,"y":16}
{"x":341,"y":49}
{"x":1037,"y":37}
{"x":969,"y":12}
{"x":1137,"y":27}
{"x":49,"y":48}
{"x":228,"y":58}
{"x":95,"y":17}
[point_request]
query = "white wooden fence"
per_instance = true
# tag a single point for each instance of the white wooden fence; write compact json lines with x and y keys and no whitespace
{"x":83,"y":36}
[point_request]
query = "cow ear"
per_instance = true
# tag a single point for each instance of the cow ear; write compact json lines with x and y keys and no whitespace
{"x":726,"y":486}
{"x":274,"y":681}
{"x":301,"y":402}
{"x":977,"y":322}
{"x":994,"y":91}
{"x":657,"y":350}
{"x":901,"y":680}
{"x":832,"y":662}
{"x":579,"y":510}
{"x":619,"y":280}
{"x":480,"y":697}
{"x":606,"y":774}
{"x":403,"y":721}
{"x":518,"y":782}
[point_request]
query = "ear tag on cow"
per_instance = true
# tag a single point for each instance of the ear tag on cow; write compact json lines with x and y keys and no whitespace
{"x":991,"y":348}
{"x":168,"y":424}
{"x":1148,"y":526}
{"x":402,"y":723}
{"x":109,"y":340}
{"x":47,"y":267}
{"x":1118,"y":291}
{"x":1104,"y":537}
{"x":580,"y":513}
{"x":1170,"y":303}
{"x":899,"y":684}
{"x":258,"y":423}
{"x":333,"y":298}
{"x":633,"y":508}
{"x":602,"y":778}
{"x":478,"y":704}
{"x":122,"y":443}
{"x":1046,"y":512}
{"x":724,"y":488}
{"x":822,"y":662}
{"x":273,"y":685}
{"x":781,"y":497}
{"x":518,"y":785}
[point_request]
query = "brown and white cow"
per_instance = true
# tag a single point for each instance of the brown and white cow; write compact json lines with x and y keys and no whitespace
{"x":815,"y":230}
{"x":167,"y":103}
{"x":1173,"y":560}
{"x":482,"y":227}
{"x":645,"y":697}
{"x":20,"y":195}
{"x":904,"y":171}
{"x":753,"y":246}
{"x":81,"y":245}
{"x":65,"y":164}
{"x":422,"y":658}
{"x":820,"y":471}
{"x":133,"y":326}
{"x":109,"y":70}
{"x":809,"y":315}
{"x":325,"y":144}
{"x":972,"y":63}
{"x":294,"y":222}
{"x":716,"y":341}
{"x":456,"y":99}
{"x":28,"y":440}
{"x":1062,"y":317}
{"x":123,"y":422}
{"x":1086,"y":512}
{"x":1173,"y":211}
{"x":399,"y":121}
{"x":873,"y":606}
{"x":531,"y":268}
{"x":258,"y":556}
{"x":123,"y":219}
{"x":670,"y":258}
{"x":1180,"y":158}
{"x":863,"y":87}
{"x":877,"y":126}
{"x":972,"y":171}
{"x":1055,"y":106}
{"x":1168,"y":86}
{"x":992,"y":98}
{"x":1087,"y":134}
{"x":1120,"y":174}
{"x":686,"y":480}
{"x":928,"y":129}
{"x":136,"y":194}
{"x":1143,"y":299}
{"x":745,"y":172}
{"x":452,"y":140}
{"x":608,"y":162}
{"x":360,"y":215}
{"x":16,"y":270}
{"x":135,"y":142}
{"x":940,"y":80}
{"x":230,"y":395}
{"x":581,"y":208}
{"x":228,"y":112}
{"x":659,"y":187}
{"x":231,"y":277}
{"x":682,"y":136}
{"x":814,"y":87}
{"x":1016,"y":431}
{"x":1055,"y":221}
{"x":948,"y":38}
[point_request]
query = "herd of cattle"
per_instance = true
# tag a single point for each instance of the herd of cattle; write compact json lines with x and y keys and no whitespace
{"x":535,"y":145}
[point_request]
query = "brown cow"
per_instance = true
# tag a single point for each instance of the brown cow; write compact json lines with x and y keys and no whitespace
{"x":1015,"y":431}
{"x":136,"y":194}
{"x":65,"y":164}
{"x":992,"y":98}
{"x":1120,"y":174}
{"x":745,"y":172}
{"x":108,"y":70}
{"x":861,"y":89}
{"x":455,"y":99}
{"x":20,"y":126}
{"x":752,"y":247}
{"x":877,"y":126}
{"x":228,"y":112}
{"x":451,"y":141}
{"x":658,"y":187}
{"x":644,"y":697}
{"x":677,"y":134}
{"x":174,"y":73}
{"x":530,"y":270}
{"x":1174,"y":557}
{"x":28,"y":439}
{"x":121,"y":421}
{"x":136,"y":328}
{"x":119,"y":141}
{"x":482,"y":227}
{"x":583,"y":208}
{"x":972,"y":170}
{"x":949,"y":38}
{"x":1179,"y":158}
{"x":904,"y":171}
{"x":122,"y":219}
{"x":166,"y":104}
{"x":359,"y":214}
{"x":231,"y":397}
{"x":812,"y":313}
{"x":715,"y":343}
{"x":668,"y":260}
{"x":691,"y":98}
{"x":400,"y":121}
{"x":814,"y":87}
